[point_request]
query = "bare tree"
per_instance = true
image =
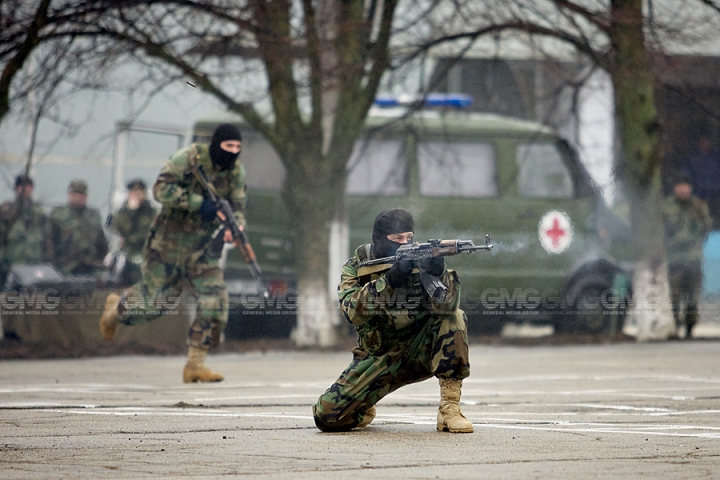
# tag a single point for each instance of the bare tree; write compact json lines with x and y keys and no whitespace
{"x":304,"y":74}
{"x":314,"y":66}
{"x":620,"y":37}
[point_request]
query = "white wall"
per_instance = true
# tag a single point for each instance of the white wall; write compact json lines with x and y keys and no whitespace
{"x":596,"y":130}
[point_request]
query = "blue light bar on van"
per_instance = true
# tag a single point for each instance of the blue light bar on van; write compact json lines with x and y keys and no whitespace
{"x":457,"y":100}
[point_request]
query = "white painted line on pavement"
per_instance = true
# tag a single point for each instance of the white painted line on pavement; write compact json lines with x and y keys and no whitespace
{"x":620,"y":407}
{"x":603,"y":430}
{"x":696,"y":431}
{"x":251,"y":397}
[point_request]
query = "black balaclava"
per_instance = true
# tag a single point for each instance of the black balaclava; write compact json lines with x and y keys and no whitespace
{"x":387,"y":223}
{"x":221,"y":158}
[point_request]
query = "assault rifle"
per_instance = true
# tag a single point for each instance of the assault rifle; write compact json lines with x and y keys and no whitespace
{"x":432,"y":248}
{"x":227,"y":219}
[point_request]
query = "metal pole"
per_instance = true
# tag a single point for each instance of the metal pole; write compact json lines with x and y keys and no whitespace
{"x":117,"y":190}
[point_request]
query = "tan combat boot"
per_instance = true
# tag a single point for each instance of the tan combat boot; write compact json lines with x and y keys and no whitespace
{"x":195,"y":369}
{"x":450,"y":418}
{"x":369,"y":417}
{"x":110,"y":318}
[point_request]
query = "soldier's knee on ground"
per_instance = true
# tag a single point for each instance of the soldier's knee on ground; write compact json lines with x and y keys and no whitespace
{"x":327,"y":423}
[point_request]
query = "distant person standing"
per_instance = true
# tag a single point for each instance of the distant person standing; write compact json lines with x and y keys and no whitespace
{"x":687,"y":223}
{"x":132,"y":223}
{"x":703,"y":165}
{"x":76,"y":241}
{"x":23,"y":229}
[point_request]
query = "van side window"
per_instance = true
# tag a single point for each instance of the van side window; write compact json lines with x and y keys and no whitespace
{"x":542,"y":173}
{"x":458,"y":169}
{"x":377,"y":167}
{"x":263,"y":168}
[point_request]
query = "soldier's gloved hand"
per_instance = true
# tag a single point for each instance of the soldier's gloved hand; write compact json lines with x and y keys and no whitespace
{"x":435,"y":266}
{"x":399,"y":273}
{"x":208,"y":210}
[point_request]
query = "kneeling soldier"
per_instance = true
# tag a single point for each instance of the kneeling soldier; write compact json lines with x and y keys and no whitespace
{"x":403,"y":336}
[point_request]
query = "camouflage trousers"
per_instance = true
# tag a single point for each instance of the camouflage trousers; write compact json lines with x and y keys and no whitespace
{"x":439,"y":349}
{"x":164,"y":274}
{"x":685,"y":287}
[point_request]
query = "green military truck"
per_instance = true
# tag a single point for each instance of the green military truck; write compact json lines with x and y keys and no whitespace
{"x":461,"y":175}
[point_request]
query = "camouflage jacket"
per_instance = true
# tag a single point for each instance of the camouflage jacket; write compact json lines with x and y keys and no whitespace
{"x":133,"y":225}
{"x":686,"y":227}
{"x":23,"y":232}
{"x":76,"y":241}
{"x":382,"y":315}
{"x":181,"y":196}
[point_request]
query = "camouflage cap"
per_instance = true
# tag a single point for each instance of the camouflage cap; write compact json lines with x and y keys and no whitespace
{"x":78,"y":186}
{"x":136,"y":184}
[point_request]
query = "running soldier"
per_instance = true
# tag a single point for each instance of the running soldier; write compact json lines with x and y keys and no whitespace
{"x":403,"y":336}
{"x":23,"y":229}
{"x":184,"y":245}
{"x":132,"y":223}
{"x":76,"y":240}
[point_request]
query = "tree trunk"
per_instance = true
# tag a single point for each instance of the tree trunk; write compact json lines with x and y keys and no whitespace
{"x":639,"y":169}
{"x":312,"y":190}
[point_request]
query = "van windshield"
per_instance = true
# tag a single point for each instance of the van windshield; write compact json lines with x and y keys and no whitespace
{"x":457,"y":169}
{"x":377,"y":167}
{"x":542,"y":172}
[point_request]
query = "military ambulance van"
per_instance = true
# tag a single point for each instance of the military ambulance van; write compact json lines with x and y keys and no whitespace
{"x":461,"y":175}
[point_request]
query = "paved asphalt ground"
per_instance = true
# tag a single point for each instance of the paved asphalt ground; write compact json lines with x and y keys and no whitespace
{"x":621,"y":410}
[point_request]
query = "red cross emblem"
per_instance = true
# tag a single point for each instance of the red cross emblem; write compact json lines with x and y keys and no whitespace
{"x":555,"y":231}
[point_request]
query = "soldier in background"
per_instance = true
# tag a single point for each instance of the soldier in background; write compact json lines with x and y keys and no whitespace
{"x":703,"y":168}
{"x":132,"y":223}
{"x":403,"y":336}
{"x":184,"y":246}
{"x":76,"y":241}
{"x":687,"y":223}
{"x":23,"y":229}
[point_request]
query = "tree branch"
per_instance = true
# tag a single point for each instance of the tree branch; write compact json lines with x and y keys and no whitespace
{"x":16,"y":63}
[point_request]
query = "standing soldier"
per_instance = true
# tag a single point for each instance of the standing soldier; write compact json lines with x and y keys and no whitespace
{"x":403,"y":336}
{"x":132,"y":223}
{"x":76,"y":241}
{"x":185,"y":245}
{"x":23,"y":229}
{"x":687,"y":223}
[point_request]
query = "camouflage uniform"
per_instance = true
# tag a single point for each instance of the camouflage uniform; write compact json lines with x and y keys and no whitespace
{"x":23,"y":232}
{"x":133,"y":225}
{"x":76,"y":241}
{"x":403,"y":338}
{"x":687,"y":224}
{"x":180,"y":247}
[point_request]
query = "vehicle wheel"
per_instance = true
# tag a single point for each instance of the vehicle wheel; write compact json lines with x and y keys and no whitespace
{"x":588,"y":310}
{"x":591,"y":316}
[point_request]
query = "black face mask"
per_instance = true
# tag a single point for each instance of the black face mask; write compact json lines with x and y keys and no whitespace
{"x":222,"y":158}
{"x":385,"y":247}
{"x":388,"y":223}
